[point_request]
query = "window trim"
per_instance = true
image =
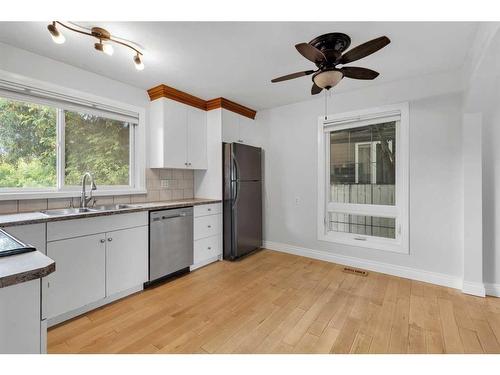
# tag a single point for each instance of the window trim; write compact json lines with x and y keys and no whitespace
{"x":137,"y":152}
{"x":347,"y":120}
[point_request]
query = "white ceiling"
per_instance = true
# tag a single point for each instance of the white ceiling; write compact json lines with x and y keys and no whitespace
{"x":237,"y":60}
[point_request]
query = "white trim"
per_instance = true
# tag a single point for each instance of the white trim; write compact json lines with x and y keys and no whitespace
{"x":400,"y":114}
{"x":371,"y":265}
{"x":474,"y":288}
{"x":492,"y":289}
{"x":205,"y":262}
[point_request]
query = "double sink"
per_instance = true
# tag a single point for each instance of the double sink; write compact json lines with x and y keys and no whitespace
{"x":76,"y":211}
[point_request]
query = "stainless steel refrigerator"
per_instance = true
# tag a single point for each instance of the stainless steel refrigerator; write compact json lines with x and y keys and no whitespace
{"x":242,"y":185}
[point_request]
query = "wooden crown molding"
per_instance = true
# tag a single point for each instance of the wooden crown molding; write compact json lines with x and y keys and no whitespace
{"x":164,"y":91}
{"x":231,"y":106}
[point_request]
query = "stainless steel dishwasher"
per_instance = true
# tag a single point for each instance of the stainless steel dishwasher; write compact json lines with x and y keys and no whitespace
{"x":170,"y":242}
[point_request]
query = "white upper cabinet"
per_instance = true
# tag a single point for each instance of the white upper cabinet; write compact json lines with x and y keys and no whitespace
{"x":197,"y":138}
{"x":178,"y":135}
{"x":230,"y":127}
{"x":237,"y":128}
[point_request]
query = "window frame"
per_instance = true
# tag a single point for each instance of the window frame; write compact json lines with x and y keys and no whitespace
{"x":137,"y":144}
{"x":400,"y":211}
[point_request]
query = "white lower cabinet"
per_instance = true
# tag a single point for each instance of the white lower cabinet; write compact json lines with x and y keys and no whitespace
{"x":80,"y":273}
{"x":207,"y":234}
{"x":93,"y":269}
{"x":207,"y":248}
{"x":126,"y":260}
{"x":20,"y":326}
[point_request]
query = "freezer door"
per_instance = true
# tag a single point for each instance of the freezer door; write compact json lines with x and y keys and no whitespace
{"x":246,"y":162}
{"x":247,"y":217}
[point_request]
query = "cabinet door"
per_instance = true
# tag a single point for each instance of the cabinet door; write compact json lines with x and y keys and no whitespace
{"x":79,"y":278}
{"x":197,"y":139}
{"x":175,"y":135}
{"x":230,"y":127}
{"x":126,"y":259}
{"x":20,"y":329}
{"x":248,"y":134}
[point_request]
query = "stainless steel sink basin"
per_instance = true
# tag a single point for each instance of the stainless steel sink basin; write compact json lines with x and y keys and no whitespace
{"x":67,"y":211}
{"x":113,"y":207}
{"x":73,"y":211}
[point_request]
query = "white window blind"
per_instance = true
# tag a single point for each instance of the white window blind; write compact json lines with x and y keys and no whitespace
{"x":32,"y":94}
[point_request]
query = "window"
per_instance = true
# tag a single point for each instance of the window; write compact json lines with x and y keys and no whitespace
{"x":99,"y":145}
{"x":363,"y":178}
{"x":28,"y":138}
{"x":47,"y":144}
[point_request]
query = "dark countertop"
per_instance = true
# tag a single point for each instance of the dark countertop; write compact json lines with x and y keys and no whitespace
{"x":38,"y":217}
{"x":15,"y":269}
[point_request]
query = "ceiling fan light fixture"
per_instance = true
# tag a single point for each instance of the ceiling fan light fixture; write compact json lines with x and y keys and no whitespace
{"x":328,"y":78}
{"x":139,"y":65}
{"x":56,"y":35}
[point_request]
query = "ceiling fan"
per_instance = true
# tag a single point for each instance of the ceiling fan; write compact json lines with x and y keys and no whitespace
{"x":326,"y":52}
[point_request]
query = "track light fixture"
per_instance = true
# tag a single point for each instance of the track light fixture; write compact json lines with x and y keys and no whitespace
{"x":104,"y":43}
{"x":138,"y":62}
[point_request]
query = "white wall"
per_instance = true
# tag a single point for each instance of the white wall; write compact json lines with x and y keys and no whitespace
{"x":482,"y":95}
{"x":27,"y":64}
{"x":436,"y":210}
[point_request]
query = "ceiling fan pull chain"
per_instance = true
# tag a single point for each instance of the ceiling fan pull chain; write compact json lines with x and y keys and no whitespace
{"x":326,"y":105}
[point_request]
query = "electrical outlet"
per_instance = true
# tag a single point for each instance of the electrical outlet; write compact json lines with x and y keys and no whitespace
{"x":297,"y":201}
{"x":164,"y":183}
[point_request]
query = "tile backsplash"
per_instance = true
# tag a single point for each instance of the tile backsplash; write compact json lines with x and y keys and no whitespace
{"x":161,"y":184}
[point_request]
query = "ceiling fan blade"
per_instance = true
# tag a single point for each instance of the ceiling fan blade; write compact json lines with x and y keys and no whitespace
{"x":311,"y":53}
{"x":293,"y":75}
{"x":364,"y":50}
{"x":315,"y":89}
{"x":358,"y":73}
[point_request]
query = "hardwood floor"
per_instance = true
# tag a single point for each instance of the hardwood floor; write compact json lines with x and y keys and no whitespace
{"x":272,"y":302}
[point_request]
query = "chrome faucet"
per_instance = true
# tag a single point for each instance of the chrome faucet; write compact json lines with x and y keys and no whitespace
{"x":84,"y":200}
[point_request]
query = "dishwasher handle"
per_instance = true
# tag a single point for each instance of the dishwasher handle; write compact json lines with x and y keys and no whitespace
{"x":182,"y":214}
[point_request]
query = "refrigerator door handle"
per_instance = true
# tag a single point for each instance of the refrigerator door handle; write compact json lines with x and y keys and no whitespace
{"x":236,"y":193}
{"x":236,"y":168}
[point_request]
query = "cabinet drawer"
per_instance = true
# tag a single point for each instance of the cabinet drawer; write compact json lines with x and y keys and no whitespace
{"x":206,"y":226}
{"x":207,"y":248}
{"x":208,"y":209}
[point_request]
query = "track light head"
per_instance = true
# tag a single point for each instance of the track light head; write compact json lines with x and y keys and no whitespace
{"x":104,"y":47}
{"x":57,"y":37}
{"x":139,"y":65}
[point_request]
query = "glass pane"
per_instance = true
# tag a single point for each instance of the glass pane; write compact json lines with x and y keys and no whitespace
{"x":27,"y":145}
{"x":363,"y":164}
{"x":359,"y":224}
{"x":97,"y":145}
{"x":7,"y":243}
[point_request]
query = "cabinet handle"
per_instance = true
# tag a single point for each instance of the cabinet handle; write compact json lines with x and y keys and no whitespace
{"x":102,"y":240}
{"x":110,"y":239}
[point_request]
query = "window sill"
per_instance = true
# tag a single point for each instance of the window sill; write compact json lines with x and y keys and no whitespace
{"x":370,"y":242}
{"x":5,"y":196}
